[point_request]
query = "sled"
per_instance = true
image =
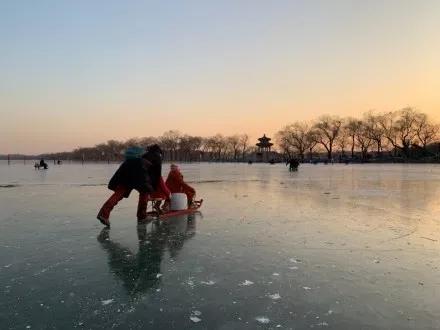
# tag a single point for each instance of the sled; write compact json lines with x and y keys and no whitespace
{"x":169,"y":214}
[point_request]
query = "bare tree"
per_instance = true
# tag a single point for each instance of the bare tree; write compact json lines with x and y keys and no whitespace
{"x":327,"y":129}
{"x":363,"y":140}
{"x":351,"y":127}
{"x":114,"y":149}
{"x":400,"y":129}
{"x":295,"y":138}
{"x":208,"y":148}
{"x":196,"y":143}
{"x":374,"y":130}
{"x":244,"y":140}
{"x":283,"y":140}
{"x":132,"y":142}
{"x":234,"y":144}
{"x":342,"y":140}
{"x":312,"y":140}
{"x":170,"y":142}
{"x":147,"y":141}
{"x":221,"y":146}
{"x":216,"y":146}
{"x":188,"y":146}
{"x":426,"y":131}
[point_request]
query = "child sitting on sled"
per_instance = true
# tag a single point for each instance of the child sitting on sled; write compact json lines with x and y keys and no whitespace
{"x":176,"y":184}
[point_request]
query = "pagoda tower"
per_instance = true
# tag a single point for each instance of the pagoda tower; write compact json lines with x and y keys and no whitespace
{"x":264,"y":145}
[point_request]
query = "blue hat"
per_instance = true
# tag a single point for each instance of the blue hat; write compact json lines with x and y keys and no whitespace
{"x":134,"y":152}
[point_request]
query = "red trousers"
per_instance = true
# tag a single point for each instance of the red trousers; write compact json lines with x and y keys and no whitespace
{"x":190,"y":193}
{"x":162,"y":191}
{"x":117,"y":196}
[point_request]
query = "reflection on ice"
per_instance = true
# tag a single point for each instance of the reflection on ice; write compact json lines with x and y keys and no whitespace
{"x":142,"y":271}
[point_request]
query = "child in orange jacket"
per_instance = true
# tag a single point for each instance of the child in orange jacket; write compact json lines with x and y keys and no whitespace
{"x":176,"y":184}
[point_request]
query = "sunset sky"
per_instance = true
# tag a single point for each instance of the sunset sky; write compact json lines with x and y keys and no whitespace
{"x":76,"y":73}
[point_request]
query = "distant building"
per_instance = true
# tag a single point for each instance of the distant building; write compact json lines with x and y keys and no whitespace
{"x":264,"y":153}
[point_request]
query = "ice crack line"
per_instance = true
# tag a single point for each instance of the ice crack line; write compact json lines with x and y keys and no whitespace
{"x":50,"y":267}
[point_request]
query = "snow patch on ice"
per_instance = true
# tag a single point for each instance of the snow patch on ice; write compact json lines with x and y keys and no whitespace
{"x":262,"y":319}
{"x":195,"y":319}
{"x":190,"y":282}
{"x":194,"y":316}
{"x":274,"y":296}
{"x":322,"y":324}
{"x":106,"y":302}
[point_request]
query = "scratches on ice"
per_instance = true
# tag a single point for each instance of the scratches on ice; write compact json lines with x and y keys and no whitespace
{"x":50,"y":267}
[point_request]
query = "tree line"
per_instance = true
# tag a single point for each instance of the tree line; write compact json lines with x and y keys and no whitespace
{"x":405,"y":134}
{"x":176,"y":147}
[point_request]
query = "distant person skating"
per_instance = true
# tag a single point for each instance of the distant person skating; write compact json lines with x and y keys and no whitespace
{"x":176,"y":184}
{"x":140,"y":171}
{"x":293,"y":164}
{"x":43,"y":164}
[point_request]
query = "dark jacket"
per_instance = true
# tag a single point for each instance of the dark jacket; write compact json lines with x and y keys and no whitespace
{"x":155,"y":169}
{"x":141,"y":174}
{"x":132,"y":174}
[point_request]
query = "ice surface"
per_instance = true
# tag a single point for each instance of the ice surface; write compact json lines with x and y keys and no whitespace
{"x":364,"y":238}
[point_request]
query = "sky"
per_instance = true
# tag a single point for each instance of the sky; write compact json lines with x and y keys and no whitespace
{"x":78,"y":73}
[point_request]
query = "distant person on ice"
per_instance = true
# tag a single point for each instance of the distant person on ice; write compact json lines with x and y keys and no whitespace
{"x":293,"y":164}
{"x":140,"y":171}
{"x":43,"y":164}
{"x":176,"y":184}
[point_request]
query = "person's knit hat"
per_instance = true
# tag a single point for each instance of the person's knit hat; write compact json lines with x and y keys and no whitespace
{"x":155,"y":148}
{"x":134,"y":152}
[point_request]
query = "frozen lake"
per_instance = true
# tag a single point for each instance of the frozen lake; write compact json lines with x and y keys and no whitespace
{"x":333,"y":247}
